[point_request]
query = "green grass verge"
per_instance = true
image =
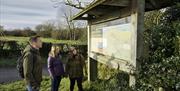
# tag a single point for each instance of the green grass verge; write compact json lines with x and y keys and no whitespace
{"x":47,"y":40}
{"x":112,"y":80}
{"x":45,"y":85}
{"x":113,"y":84}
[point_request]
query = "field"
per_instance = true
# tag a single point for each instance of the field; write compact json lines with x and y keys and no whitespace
{"x":45,"y":86}
{"x":47,"y":40}
{"x":11,"y":61}
{"x":108,"y":80}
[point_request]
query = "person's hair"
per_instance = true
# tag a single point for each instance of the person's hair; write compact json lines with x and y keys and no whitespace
{"x":33,"y":39}
{"x":52,"y":52}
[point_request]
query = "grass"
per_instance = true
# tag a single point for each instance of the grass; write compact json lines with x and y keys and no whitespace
{"x":45,"y":85}
{"x":111,"y":81}
{"x":113,"y":84}
{"x":46,"y":40}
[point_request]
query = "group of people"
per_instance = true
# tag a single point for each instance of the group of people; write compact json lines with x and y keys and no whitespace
{"x":32,"y":66}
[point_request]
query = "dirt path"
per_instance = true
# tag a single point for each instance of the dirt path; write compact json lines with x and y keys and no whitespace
{"x":8,"y":75}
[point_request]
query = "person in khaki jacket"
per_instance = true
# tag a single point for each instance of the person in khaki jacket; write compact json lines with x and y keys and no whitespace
{"x":74,"y":68}
{"x":32,"y":64}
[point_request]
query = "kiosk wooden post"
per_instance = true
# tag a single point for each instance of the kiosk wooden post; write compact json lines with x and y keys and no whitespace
{"x":101,"y":15}
{"x":92,"y":64}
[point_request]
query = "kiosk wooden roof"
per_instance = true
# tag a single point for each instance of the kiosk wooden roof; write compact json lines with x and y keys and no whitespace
{"x":103,"y":9}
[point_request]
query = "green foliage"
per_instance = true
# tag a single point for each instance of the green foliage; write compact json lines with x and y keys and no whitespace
{"x":79,"y":34}
{"x":7,"y":62}
{"x":44,"y":30}
{"x":83,"y":35}
{"x":153,"y":18}
{"x":109,"y":80}
{"x":105,"y":72}
{"x":164,"y":73}
{"x":49,"y":30}
{"x":15,"y":86}
{"x":161,"y":68}
{"x":26,"y":32}
{"x":11,"y":61}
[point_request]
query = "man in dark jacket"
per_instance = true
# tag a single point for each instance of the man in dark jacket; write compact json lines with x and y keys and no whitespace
{"x":32,"y":64}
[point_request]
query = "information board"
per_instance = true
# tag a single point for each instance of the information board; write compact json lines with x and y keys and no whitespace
{"x":112,"y":39}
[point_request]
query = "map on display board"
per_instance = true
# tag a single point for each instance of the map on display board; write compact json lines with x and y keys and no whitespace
{"x":114,"y":41}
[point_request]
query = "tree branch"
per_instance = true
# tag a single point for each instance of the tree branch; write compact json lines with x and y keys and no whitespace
{"x":78,"y":6}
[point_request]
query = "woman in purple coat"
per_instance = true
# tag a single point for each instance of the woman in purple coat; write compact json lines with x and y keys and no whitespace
{"x":55,"y":67}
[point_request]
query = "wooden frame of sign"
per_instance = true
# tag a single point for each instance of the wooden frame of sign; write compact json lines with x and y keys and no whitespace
{"x":103,"y":11}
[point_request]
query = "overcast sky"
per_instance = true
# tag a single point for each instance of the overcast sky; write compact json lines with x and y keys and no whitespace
{"x":25,"y":13}
{"x":29,"y":13}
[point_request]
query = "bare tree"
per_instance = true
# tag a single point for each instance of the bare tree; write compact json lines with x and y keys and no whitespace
{"x":70,"y":24}
{"x":67,"y":14}
{"x":78,"y":4}
{"x":2,"y":32}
